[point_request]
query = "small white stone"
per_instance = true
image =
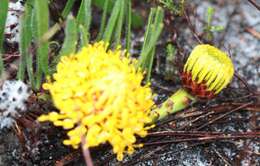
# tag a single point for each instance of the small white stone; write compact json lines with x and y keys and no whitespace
{"x":12,"y":101}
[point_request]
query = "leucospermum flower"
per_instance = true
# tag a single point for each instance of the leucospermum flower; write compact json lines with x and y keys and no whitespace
{"x":100,"y":99}
{"x":207,"y":71}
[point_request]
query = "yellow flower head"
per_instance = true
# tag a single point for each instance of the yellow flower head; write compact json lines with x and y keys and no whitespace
{"x":100,"y":99}
{"x":207,"y":71}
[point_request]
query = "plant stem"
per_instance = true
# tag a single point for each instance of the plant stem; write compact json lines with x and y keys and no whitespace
{"x":86,"y":153}
{"x":178,"y":101}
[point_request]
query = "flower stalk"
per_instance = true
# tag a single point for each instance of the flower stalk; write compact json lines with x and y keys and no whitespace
{"x":86,"y":152}
{"x":178,"y":101}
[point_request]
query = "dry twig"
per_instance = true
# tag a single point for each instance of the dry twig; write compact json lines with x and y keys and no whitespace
{"x":254,"y":3}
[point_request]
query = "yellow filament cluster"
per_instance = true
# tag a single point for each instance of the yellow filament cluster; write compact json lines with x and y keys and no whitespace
{"x":209,"y":65}
{"x":100,"y":99}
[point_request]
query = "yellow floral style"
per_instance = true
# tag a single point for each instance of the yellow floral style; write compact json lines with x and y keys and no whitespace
{"x":100,"y":98}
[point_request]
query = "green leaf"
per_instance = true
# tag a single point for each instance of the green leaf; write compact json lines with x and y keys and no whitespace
{"x":83,"y":36}
{"x":112,"y":22}
{"x":119,"y":25}
{"x":137,"y":21}
{"x":128,"y":24}
{"x":41,"y":24}
{"x":103,"y":20}
{"x":84,"y":14}
{"x":120,"y":16}
{"x":3,"y":15}
{"x":169,"y":61}
{"x":70,"y":41}
{"x":210,"y":13}
{"x":84,"y":20}
{"x":217,"y":28}
{"x":67,"y":8}
{"x":29,"y":67}
{"x":100,"y":4}
{"x":25,"y":41}
{"x":153,"y":31}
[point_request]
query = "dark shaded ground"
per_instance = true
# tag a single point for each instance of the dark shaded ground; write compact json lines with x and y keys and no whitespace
{"x":223,"y":131}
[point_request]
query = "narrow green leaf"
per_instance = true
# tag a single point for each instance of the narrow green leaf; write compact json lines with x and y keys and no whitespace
{"x":146,"y":38}
{"x":210,"y":13}
{"x":84,"y":14}
{"x":25,"y":39}
{"x":58,"y":26}
{"x":112,"y":22}
{"x":153,"y":31}
{"x":120,"y":20}
{"x":41,"y":24}
{"x":156,"y":29}
{"x":3,"y":15}
{"x":70,"y":41}
{"x":100,"y":4}
{"x":84,"y":20}
{"x":150,"y":65}
{"x":216,"y":28}
{"x":83,"y":36}
{"x":137,"y":20}
{"x":128,"y":24}
{"x":103,"y":20}
{"x":152,"y":42}
{"x":67,"y":8}
{"x":169,"y":62}
{"x":29,"y":67}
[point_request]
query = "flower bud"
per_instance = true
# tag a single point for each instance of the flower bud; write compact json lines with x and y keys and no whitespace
{"x":207,"y":71}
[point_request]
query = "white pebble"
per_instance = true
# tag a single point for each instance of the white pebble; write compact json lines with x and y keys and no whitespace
{"x":12,"y":101}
